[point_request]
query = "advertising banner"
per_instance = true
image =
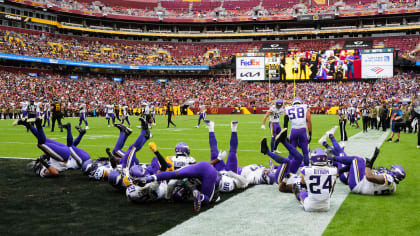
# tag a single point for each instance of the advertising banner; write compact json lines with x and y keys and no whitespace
{"x":377,"y":65}
{"x":250,"y":68}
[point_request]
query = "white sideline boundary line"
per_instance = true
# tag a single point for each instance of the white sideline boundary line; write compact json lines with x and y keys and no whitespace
{"x":263,"y":210}
{"x":19,"y":158}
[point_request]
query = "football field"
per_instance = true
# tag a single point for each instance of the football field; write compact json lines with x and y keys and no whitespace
{"x":71,"y":204}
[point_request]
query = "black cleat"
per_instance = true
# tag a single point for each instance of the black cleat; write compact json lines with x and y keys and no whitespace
{"x":371,"y":161}
{"x":67,"y":126}
{"x":119,"y":126}
{"x":80,"y":129}
{"x":397,"y":141}
{"x":264,"y":147}
{"x":112,"y":159}
{"x":282,"y":136}
{"x":389,"y":140}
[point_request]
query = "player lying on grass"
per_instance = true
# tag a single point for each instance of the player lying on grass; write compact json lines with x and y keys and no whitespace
{"x":58,"y":157}
{"x":239,"y":177}
{"x":203,"y":171}
{"x":320,"y":181}
{"x":176,"y":190}
{"x":286,"y":173}
{"x":362,"y":178}
{"x":336,"y":150}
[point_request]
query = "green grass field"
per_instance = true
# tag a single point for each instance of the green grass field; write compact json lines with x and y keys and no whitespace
{"x":71,"y":204}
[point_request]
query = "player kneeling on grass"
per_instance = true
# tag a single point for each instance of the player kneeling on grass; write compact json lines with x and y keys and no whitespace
{"x":320,"y":180}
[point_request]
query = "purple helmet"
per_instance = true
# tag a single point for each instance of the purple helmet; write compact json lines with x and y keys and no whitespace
{"x":397,"y":172}
{"x":182,"y":149}
{"x":297,"y":100}
{"x":279,"y":102}
{"x":268,"y":177}
{"x":319,"y":157}
{"x":137,"y":171}
{"x":88,"y":167}
{"x":115,"y":178}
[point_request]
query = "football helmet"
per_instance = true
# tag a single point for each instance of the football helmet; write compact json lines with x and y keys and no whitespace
{"x":268,"y":177}
{"x":397,"y":172}
{"x":88,"y":167}
{"x":115,"y":178}
{"x":35,"y":166}
{"x":182,"y":149}
{"x":297,"y":100}
{"x":319,"y":157}
{"x":279,"y":103}
{"x":137,"y":171}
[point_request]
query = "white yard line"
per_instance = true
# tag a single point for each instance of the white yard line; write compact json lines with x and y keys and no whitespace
{"x":263,"y":210}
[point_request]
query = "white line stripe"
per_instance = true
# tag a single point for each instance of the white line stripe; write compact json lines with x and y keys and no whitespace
{"x":19,"y":158}
{"x":262,"y":209}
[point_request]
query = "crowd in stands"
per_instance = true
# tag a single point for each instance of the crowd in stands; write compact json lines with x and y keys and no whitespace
{"x":231,"y":9}
{"x":161,"y":53}
{"x":100,"y":51}
{"x":218,"y":91}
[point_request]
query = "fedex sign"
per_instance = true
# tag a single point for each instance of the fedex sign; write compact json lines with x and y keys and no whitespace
{"x":250,"y":68}
{"x":249,"y":62}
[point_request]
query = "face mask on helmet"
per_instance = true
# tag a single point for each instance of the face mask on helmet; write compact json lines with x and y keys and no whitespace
{"x":397,"y":172}
{"x":182,"y":149}
{"x":319,"y":157}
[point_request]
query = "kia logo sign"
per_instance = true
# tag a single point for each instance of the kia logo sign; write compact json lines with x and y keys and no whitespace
{"x":358,"y":42}
{"x":250,"y":74}
{"x":274,"y":45}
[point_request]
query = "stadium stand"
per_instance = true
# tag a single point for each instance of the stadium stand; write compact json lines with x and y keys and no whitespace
{"x":32,"y":43}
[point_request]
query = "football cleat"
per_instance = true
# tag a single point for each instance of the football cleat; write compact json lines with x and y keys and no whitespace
{"x":19,"y":122}
{"x":80,"y":129}
{"x":323,"y":140}
{"x":153,"y":147}
{"x":234,"y":125}
{"x":112,"y":159}
{"x":197,"y":200}
{"x":373,"y":158}
{"x":264,"y":147}
{"x":67,"y":126}
{"x":331,"y":132}
{"x":389,"y":140}
{"x":210,"y":125}
{"x":282,"y":136}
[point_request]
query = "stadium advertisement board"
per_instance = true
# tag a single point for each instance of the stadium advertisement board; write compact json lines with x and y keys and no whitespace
{"x":377,"y":64}
{"x":99,"y":65}
{"x":250,"y":68}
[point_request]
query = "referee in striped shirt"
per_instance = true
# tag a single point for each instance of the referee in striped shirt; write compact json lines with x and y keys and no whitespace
{"x":365,"y":116}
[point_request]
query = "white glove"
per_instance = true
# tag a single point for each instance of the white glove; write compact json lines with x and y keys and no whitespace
{"x":222,"y":155}
{"x":262,"y":126}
